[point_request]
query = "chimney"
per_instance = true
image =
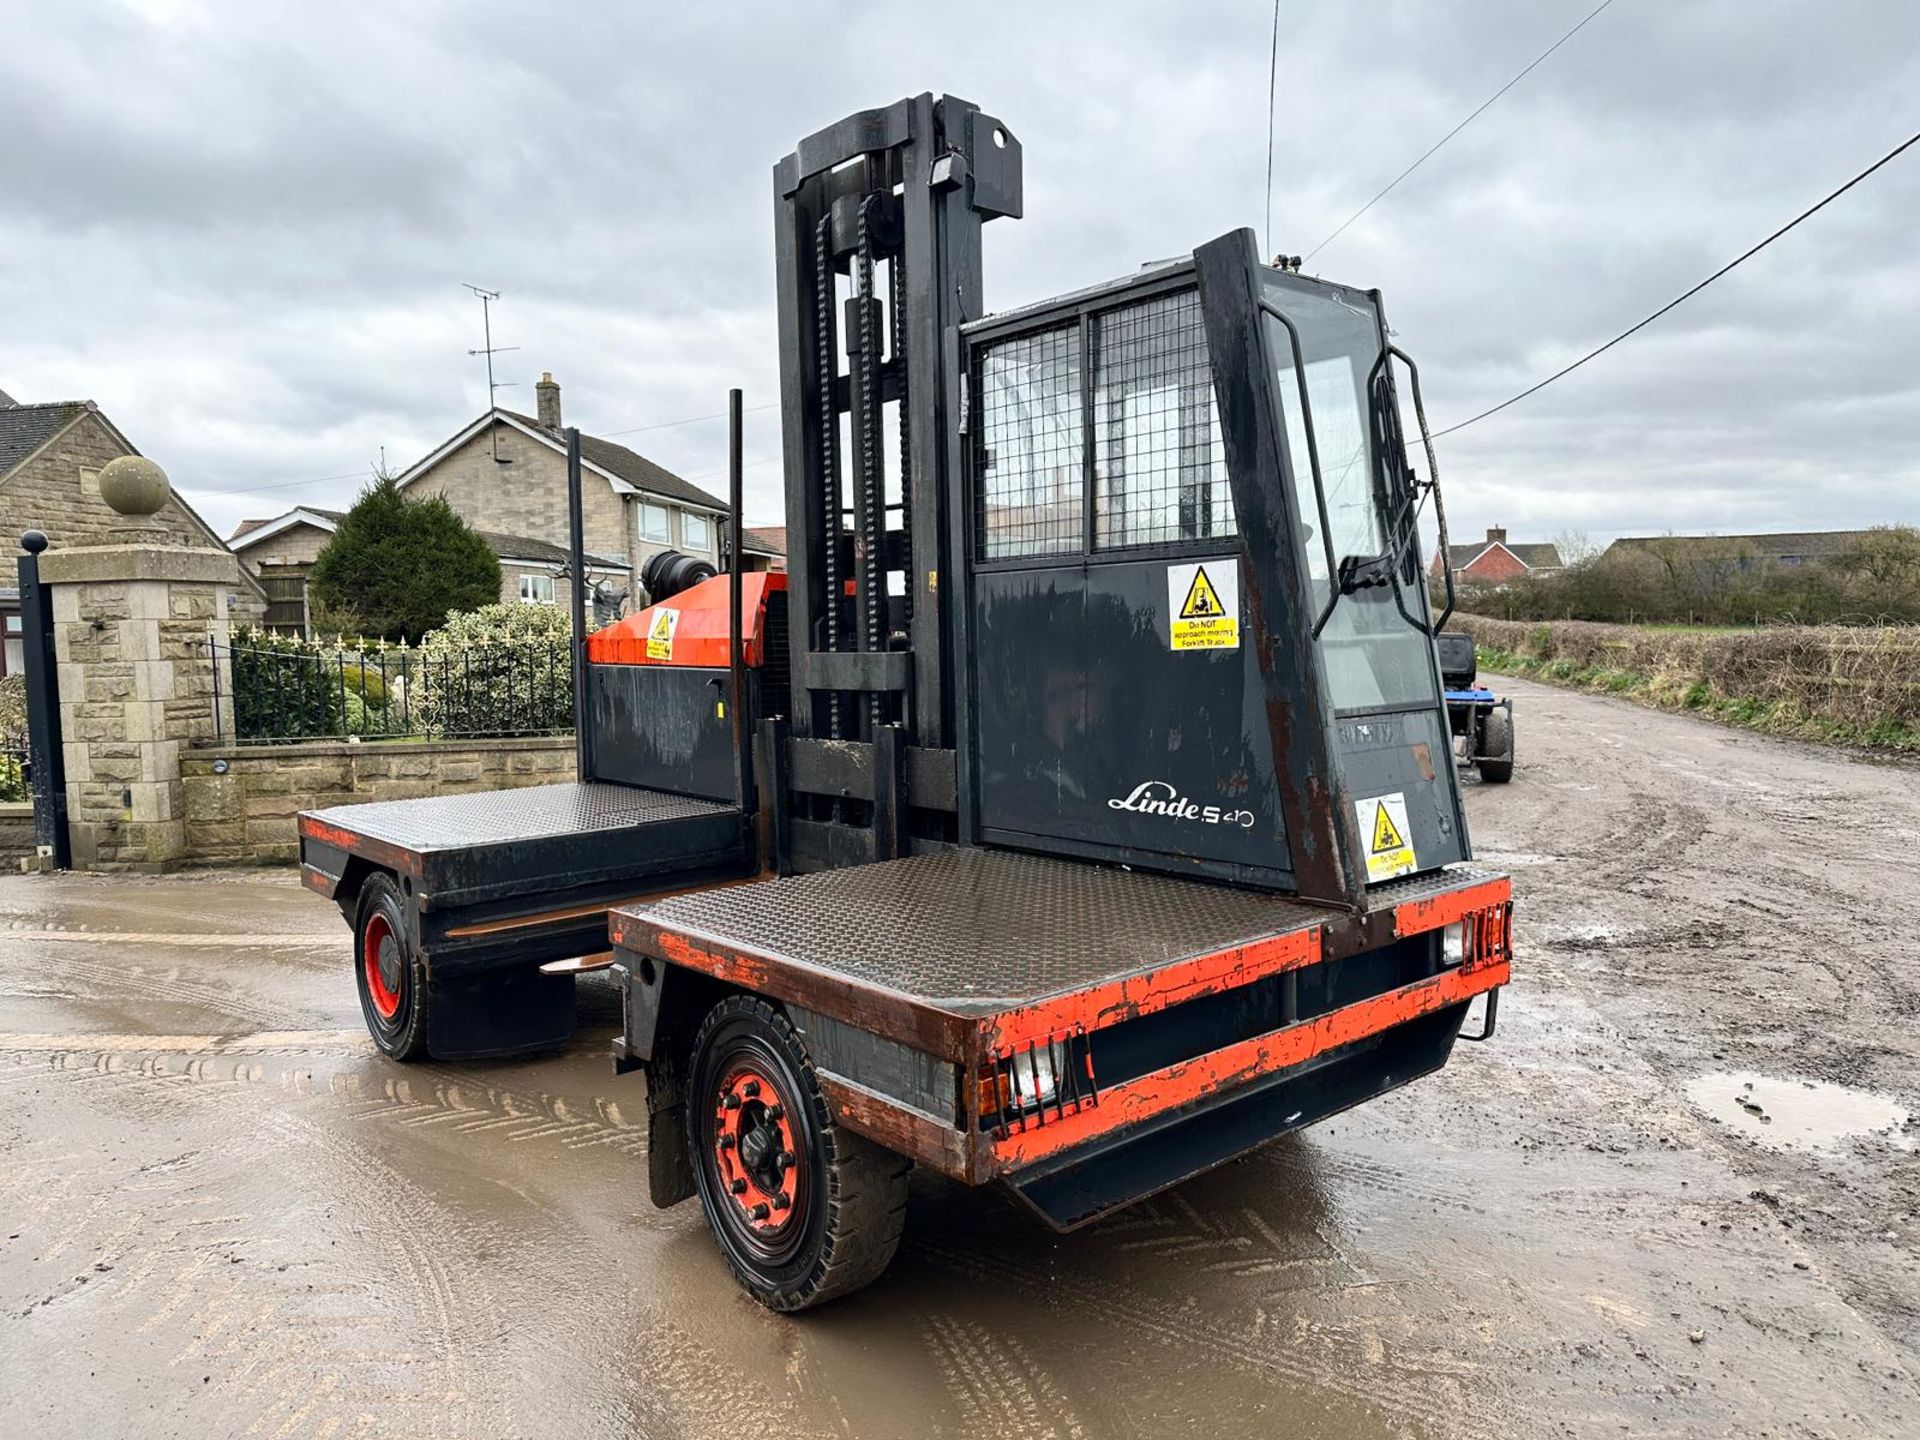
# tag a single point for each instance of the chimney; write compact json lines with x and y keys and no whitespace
{"x":1495,"y":536}
{"x":547,"y":402}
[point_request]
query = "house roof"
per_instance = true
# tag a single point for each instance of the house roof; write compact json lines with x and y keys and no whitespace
{"x":767,"y":539}
{"x":504,"y":546}
{"x":628,"y":472}
{"x":1800,"y":544}
{"x":25,"y":428}
{"x":6,"y":400}
{"x":1534,"y":554}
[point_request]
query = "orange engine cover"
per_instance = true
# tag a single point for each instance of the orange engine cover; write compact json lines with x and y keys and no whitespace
{"x":690,"y":628}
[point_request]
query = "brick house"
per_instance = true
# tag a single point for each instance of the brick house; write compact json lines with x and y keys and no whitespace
{"x":51,"y":456}
{"x":1497,"y":560}
{"x":280,"y":552}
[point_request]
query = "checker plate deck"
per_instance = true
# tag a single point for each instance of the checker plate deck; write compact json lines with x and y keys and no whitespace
{"x":974,"y":931}
{"x":495,"y":817}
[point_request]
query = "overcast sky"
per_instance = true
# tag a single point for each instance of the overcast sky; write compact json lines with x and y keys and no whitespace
{"x":243,"y":228}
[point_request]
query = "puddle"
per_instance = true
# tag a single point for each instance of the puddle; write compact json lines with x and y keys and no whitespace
{"x":1794,"y":1114}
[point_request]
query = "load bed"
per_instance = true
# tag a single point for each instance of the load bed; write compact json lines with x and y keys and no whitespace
{"x":1147,"y":1001}
{"x":522,"y":876}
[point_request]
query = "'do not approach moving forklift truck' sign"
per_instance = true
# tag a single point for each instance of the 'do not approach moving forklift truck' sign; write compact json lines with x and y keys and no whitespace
{"x":1073,"y":816}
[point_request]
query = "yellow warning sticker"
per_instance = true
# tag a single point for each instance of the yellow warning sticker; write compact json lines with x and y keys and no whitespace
{"x":660,"y":634}
{"x":1383,"y":826}
{"x":1203,"y":603}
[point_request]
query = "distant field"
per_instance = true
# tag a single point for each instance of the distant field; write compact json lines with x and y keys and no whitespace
{"x":1845,"y":684}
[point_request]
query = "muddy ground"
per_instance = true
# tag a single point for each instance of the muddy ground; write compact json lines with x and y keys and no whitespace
{"x":221,"y":1214}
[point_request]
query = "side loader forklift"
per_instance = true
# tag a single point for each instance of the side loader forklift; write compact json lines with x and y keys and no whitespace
{"x":1075,"y":814}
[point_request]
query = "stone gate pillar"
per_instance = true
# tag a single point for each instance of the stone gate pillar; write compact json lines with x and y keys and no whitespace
{"x":132,"y":621}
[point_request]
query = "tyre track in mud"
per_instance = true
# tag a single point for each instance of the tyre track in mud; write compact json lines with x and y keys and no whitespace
{"x":1244,"y":1337}
{"x":445,"y":1298}
{"x":286,"y":1370}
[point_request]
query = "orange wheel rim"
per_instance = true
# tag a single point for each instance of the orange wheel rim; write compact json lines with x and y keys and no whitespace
{"x":754,"y":1152}
{"x":381,"y":962}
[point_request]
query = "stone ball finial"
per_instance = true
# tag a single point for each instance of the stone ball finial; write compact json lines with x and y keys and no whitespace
{"x":134,"y":486}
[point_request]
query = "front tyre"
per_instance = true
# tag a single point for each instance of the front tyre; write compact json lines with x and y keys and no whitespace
{"x":804,"y":1210}
{"x":391,"y":977}
{"x":1496,"y":743}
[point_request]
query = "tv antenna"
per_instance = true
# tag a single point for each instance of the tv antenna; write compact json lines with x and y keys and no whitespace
{"x":489,"y":349}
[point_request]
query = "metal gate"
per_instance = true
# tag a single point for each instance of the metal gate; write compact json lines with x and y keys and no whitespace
{"x":46,"y":762}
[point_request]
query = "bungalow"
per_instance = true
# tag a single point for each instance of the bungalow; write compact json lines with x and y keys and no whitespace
{"x":1497,"y":560}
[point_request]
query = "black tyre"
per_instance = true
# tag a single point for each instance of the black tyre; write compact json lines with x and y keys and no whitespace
{"x":392,"y":978}
{"x":1496,"y":744}
{"x":804,"y":1211}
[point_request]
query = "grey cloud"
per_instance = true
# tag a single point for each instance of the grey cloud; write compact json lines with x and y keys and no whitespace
{"x":243,"y":229}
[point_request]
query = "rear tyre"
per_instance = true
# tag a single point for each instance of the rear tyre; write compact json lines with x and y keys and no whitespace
{"x":1496,"y":743}
{"x":391,"y":977}
{"x":804,"y":1211}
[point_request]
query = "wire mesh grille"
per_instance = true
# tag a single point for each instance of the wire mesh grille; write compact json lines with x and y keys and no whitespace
{"x":1029,"y":449}
{"x":1160,"y":469}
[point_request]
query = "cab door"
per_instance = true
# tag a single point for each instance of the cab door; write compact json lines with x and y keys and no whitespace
{"x":1311,"y":432}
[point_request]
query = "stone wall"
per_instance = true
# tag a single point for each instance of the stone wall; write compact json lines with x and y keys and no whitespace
{"x":16,"y":834}
{"x":247,"y":813}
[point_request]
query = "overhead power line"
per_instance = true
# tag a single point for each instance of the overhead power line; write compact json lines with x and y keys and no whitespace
{"x":1457,"y":129}
{"x":1732,"y":264}
{"x":281,"y":484}
{"x":690,"y":420}
{"x":1273,"y":77}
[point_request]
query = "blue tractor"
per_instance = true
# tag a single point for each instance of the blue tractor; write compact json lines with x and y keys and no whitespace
{"x":1481,"y":722}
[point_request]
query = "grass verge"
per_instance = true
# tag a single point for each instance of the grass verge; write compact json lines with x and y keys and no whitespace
{"x":1750,"y":712}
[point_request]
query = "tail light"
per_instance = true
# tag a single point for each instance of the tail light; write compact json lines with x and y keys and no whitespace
{"x":1025,"y":1087}
{"x":1483,"y":937}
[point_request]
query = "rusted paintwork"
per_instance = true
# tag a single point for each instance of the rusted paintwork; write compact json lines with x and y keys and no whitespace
{"x":905,"y":1018}
{"x":394,"y":857}
{"x":1134,"y":995}
{"x":1197,"y":1079}
{"x":938,"y":1146}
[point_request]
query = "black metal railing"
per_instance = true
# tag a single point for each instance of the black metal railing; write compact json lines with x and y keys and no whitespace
{"x":286,"y":690}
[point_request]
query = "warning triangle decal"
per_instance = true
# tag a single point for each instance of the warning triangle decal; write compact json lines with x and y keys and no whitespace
{"x":662,"y":626}
{"x":1385,"y":836}
{"x":1202,"y":600}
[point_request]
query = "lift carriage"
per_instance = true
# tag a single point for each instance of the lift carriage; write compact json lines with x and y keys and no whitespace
{"x":1075,"y":815}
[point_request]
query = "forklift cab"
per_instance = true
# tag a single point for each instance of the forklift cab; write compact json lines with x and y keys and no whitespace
{"x":1200,"y":639}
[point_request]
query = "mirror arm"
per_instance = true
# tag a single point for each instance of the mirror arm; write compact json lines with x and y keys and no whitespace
{"x":1433,"y":483}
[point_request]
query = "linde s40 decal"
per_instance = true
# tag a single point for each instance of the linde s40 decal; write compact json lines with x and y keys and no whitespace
{"x":1157,"y":797}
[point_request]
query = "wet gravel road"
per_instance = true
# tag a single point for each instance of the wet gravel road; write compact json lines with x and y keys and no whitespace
{"x":222,"y":1215}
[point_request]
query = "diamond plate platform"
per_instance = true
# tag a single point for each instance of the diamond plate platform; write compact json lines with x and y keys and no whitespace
{"x":975,"y":931}
{"x":497,"y":817}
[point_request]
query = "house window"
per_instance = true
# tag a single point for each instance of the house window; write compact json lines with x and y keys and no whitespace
{"x":16,"y":659}
{"x":654,"y":523}
{"x":536,"y":589}
{"x":696,"y":532}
